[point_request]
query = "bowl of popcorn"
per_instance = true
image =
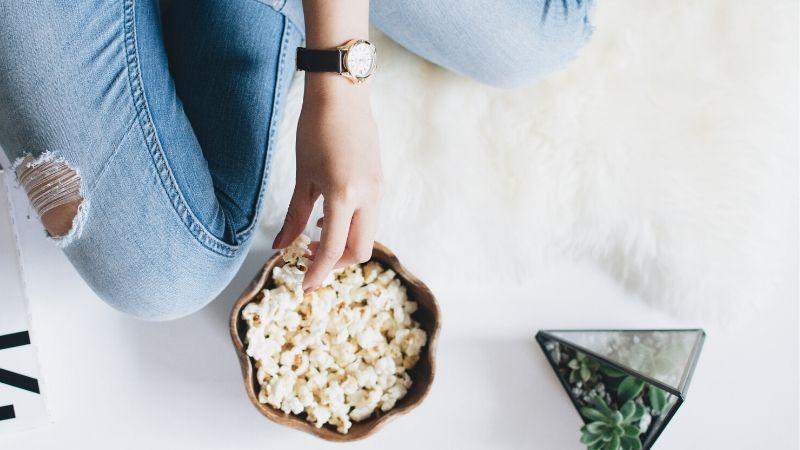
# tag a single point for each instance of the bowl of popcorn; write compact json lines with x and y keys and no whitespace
{"x":343,"y":360}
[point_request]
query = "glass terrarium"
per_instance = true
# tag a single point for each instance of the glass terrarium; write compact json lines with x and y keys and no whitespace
{"x":626,"y":384}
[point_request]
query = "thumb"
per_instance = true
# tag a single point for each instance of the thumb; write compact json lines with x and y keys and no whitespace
{"x":297,"y":216}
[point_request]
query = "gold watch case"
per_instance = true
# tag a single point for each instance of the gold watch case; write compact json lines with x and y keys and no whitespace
{"x":345,"y":48}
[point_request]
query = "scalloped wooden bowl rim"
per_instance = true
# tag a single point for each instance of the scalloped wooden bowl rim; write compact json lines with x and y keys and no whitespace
{"x":424,"y":297}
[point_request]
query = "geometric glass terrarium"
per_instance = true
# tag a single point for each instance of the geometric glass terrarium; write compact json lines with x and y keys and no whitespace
{"x":625,"y":384}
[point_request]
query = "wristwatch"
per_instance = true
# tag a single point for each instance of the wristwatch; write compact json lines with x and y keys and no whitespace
{"x":356,"y":60}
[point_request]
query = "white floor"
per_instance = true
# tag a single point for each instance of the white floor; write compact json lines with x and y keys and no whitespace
{"x":113,"y":382}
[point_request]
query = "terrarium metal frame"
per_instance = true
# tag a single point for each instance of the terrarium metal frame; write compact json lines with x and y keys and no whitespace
{"x":680,"y":395}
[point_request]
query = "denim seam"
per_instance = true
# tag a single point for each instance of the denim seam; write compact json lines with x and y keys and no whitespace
{"x":195,"y":227}
{"x":104,"y":166}
{"x":273,"y":128}
{"x":278,"y":6}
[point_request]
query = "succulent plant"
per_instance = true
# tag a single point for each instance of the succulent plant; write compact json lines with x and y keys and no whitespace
{"x":629,"y":388}
{"x":611,"y":429}
{"x":583,"y":367}
{"x":611,"y":372}
{"x":658,"y":399}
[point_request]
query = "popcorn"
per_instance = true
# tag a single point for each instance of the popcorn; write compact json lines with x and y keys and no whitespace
{"x":319,"y":415}
{"x":338,"y":354}
{"x":292,"y":405}
{"x":367,"y":377}
{"x":385,"y":366}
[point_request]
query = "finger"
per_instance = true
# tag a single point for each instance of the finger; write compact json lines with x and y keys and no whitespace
{"x":361,"y":238}
{"x":332,"y":242}
{"x":312,"y":248}
{"x":297,"y":216}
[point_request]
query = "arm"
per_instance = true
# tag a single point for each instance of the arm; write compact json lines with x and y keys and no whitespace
{"x":337,"y":149}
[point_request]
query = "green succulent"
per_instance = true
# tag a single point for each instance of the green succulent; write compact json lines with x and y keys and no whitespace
{"x":611,"y":372}
{"x":630,"y":388}
{"x":583,"y":367}
{"x":658,"y":399}
{"x":611,"y":429}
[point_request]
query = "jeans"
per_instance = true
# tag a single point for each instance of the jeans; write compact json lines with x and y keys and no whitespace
{"x":163,"y":124}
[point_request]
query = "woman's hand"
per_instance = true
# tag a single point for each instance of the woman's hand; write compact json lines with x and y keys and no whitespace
{"x":338,"y":157}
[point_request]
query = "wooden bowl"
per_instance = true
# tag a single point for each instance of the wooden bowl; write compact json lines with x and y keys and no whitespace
{"x":427,"y":315}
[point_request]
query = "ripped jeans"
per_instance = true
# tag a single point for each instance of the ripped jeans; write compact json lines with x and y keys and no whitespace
{"x":149,"y":134}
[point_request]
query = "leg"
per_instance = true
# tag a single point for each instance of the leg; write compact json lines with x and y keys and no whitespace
{"x":91,"y":92}
{"x":232,"y":62}
{"x":505,"y":44}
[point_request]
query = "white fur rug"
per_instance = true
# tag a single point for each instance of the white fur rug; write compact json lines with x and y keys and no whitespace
{"x":667,"y":154}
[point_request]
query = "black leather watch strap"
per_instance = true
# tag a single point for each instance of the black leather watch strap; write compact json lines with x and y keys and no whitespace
{"x":319,"y":60}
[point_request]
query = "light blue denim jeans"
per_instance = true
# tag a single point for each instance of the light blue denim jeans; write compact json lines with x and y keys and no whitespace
{"x":169,"y":122}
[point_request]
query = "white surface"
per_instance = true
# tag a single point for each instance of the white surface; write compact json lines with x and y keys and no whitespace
{"x":117,"y":383}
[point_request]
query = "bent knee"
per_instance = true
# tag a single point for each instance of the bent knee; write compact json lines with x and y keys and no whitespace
{"x":544,"y":46}
{"x":509,"y":44}
{"x":540,"y":38}
{"x":160,"y":298}
{"x":155,"y":286}
{"x":55,"y":191}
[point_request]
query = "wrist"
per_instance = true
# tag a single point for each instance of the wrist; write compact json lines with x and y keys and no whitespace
{"x":325,"y":89}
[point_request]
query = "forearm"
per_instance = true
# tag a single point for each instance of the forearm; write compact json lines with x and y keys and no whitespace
{"x":330,"y":23}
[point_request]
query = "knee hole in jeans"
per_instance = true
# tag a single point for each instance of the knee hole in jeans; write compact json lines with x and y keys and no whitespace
{"x":54,"y":189}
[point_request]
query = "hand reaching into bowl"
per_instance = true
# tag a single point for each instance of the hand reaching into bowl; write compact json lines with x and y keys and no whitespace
{"x":338,"y":155}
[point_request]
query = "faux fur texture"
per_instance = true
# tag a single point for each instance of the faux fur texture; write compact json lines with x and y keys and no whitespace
{"x":667,"y":154}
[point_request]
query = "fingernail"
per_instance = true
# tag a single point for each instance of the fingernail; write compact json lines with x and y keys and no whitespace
{"x":277,"y":240}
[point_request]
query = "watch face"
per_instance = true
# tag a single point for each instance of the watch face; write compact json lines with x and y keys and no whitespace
{"x":360,"y":59}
